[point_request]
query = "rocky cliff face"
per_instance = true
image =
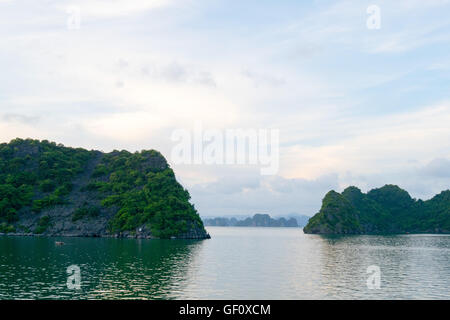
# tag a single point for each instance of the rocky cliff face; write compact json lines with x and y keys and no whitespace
{"x":385,"y":210}
{"x":337,"y":215}
{"x":52,"y":190}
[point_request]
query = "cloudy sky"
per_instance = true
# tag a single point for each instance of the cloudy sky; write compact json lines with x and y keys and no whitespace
{"x":353,"y":105}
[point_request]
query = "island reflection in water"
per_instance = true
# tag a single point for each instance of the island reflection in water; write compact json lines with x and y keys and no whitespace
{"x":237,"y":263}
{"x":34,"y":268}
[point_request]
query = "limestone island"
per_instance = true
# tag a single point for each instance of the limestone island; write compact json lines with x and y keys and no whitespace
{"x":52,"y":190}
{"x":386,"y":210}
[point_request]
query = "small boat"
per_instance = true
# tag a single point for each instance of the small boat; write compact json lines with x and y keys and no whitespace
{"x":59,"y":243}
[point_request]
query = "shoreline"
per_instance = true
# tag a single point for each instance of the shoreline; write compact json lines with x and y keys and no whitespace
{"x":15,"y":234}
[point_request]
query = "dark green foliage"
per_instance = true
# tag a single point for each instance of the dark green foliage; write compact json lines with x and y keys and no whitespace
{"x":6,"y":228}
{"x":101,"y":170}
{"x":33,"y":170}
{"x":139,"y":187}
{"x":12,"y":198}
{"x":146,"y":192}
{"x":56,"y":198}
{"x":385,"y":210}
{"x":85,"y":212}
{"x":47,"y":185}
{"x":43,"y":224}
{"x":337,"y":215}
{"x":23,"y":228}
{"x":64,"y":190}
{"x":47,"y":202}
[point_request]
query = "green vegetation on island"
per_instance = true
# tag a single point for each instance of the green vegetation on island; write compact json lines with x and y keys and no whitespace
{"x":47,"y":188}
{"x":389,"y":209}
{"x":145,"y":190}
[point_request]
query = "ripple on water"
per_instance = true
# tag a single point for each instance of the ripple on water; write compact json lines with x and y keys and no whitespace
{"x":237,"y":263}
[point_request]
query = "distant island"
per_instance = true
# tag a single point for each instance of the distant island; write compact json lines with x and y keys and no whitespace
{"x":258,"y":220}
{"x":386,"y":210}
{"x":49,"y":189}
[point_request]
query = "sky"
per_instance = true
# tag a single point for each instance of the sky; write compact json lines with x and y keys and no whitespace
{"x":354,"y":104}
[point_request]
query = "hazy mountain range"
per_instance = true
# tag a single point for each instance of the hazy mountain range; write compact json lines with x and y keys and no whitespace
{"x":257,"y":220}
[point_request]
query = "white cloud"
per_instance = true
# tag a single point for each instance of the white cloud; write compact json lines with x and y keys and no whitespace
{"x":115,"y":8}
{"x":439,"y":168}
{"x":370,"y":145}
{"x":249,"y":194}
{"x":128,"y":82}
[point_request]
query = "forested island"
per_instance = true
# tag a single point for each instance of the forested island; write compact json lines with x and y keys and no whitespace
{"x":258,"y":220}
{"x":386,"y":210}
{"x":49,"y":189}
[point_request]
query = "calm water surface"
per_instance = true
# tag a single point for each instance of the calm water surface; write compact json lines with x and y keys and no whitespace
{"x":237,"y":263}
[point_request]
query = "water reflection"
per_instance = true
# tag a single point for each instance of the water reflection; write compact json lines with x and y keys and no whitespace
{"x":237,"y":263}
{"x":412,"y":266}
{"x":110,"y":268}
